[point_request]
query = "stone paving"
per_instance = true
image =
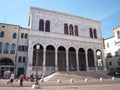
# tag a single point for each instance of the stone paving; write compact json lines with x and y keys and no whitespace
{"x":107,"y":84}
{"x":65,"y":83}
{"x":83,"y":87}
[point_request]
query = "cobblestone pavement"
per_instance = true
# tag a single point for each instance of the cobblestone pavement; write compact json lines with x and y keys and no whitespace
{"x":90,"y":85}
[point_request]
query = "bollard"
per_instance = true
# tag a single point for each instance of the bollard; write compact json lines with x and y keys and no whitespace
{"x":42,"y":80}
{"x":113,"y":78}
{"x":58,"y":81}
{"x":86,"y":80}
{"x":101,"y":79}
{"x":71,"y":80}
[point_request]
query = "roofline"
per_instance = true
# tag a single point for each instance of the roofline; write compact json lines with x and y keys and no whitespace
{"x":10,"y":24}
{"x":14,"y":25}
{"x":109,"y":37}
{"x":116,"y":27}
{"x":64,"y":14}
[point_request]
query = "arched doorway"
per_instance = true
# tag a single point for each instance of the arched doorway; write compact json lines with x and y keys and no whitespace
{"x":6,"y":64}
{"x":99,"y":60}
{"x":61,"y":59}
{"x":40,"y":57}
{"x":91,"y":62}
{"x":82,"y":59}
{"x":50,"y":56}
{"x":72,"y":59}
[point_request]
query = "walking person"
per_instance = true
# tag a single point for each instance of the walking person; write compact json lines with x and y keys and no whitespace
{"x":12,"y":77}
{"x":21,"y":80}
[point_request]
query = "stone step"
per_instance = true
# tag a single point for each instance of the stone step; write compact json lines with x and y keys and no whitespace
{"x":65,"y":77}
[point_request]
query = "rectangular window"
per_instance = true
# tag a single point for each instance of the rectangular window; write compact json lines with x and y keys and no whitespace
{"x":24,"y":58}
{"x":115,"y":42}
{"x":118,"y":34}
{"x":26,"y":36}
{"x":110,"y":63}
{"x":107,"y":45}
{"x":20,"y":48}
{"x":116,"y":54}
{"x":23,"y":48}
{"x":22,"y":35}
{"x":118,"y":63}
{"x":20,"y":59}
{"x":109,"y":55}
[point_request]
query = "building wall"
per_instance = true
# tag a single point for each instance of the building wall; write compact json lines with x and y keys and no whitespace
{"x":8,"y":38}
{"x":58,"y":19}
{"x":56,"y":36}
{"x":22,"y":54}
{"x":112,"y":46}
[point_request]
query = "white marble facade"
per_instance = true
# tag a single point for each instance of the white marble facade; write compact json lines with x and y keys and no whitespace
{"x":57,"y":38}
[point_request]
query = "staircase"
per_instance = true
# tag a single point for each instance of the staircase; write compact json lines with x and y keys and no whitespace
{"x":76,"y":76}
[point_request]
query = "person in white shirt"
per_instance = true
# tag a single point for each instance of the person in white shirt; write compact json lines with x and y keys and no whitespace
{"x":12,"y":76}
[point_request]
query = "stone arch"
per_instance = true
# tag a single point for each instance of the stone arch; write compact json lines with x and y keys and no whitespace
{"x":61,"y":58}
{"x":99,"y":59}
{"x":6,"y":61}
{"x":40,"y":55}
{"x":90,"y":55}
{"x":82,"y":59}
{"x":6,"y":64}
{"x":50,"y":55}
{"x":72,"y":59}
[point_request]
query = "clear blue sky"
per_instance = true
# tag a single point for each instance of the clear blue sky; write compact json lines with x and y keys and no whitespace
{"x":107,"y":11}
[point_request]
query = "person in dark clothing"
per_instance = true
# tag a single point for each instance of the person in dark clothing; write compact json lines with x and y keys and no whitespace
{"x":21,"y":80}
{"x":31,"y":78}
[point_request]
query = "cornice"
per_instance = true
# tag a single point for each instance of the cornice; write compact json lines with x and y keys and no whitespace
{"x":62,"y":14}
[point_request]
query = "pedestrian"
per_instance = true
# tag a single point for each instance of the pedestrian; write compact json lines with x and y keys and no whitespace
{"x":12,"y":77}
{"x":42,"y":77}
{"x":21,"y":79}
{"x":31,"y":78}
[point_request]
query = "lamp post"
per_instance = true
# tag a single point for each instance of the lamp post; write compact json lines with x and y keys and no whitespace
{"x":36,"y":86}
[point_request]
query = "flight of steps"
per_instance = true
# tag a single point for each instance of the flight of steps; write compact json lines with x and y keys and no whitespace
{"x":76,"y":76}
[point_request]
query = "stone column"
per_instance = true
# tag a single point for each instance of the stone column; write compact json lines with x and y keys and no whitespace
{"x":77,"y":62}
{"x":95,"y":61}
{"x":104,"y":62}
{"x":30,"y":60}
{"x":67,"y":62}
{"x":86,"y":57}
{"x":56,"y":59}
{"x":44,"y":59}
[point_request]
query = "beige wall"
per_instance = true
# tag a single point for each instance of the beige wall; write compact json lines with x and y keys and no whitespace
{"x":8,"y":34}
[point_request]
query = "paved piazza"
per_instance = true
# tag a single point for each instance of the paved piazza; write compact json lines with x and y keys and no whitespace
{"x":93,"y":85}
{"x":83,"y":87}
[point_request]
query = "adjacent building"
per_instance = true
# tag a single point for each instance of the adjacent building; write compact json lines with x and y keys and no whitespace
{"x":8,"y":47}
{"x":22,"y":53}
{"x":13,"y":49}
{"x":112,"y":52}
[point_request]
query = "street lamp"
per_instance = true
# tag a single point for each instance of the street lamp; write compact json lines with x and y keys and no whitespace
{"x":36,"y":86}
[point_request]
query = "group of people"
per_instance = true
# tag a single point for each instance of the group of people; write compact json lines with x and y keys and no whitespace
{"x":21,"y":78}
{"x":12,"y":77}
{"x":41,"y":76}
